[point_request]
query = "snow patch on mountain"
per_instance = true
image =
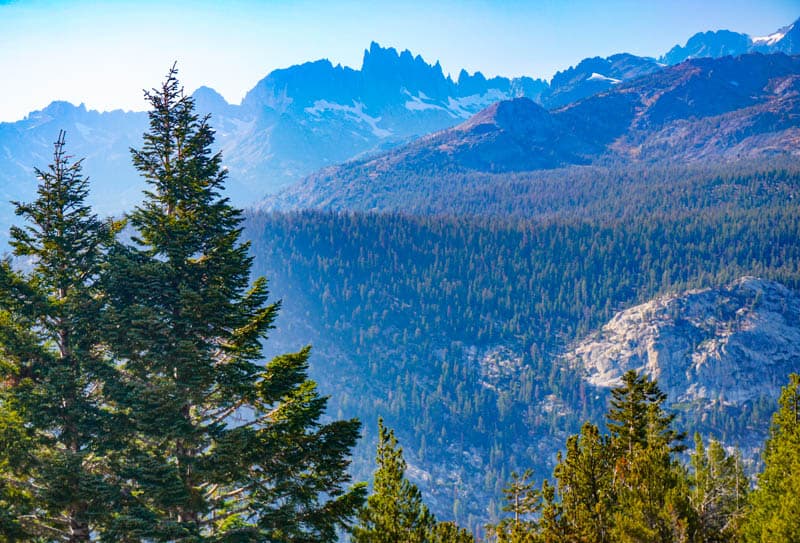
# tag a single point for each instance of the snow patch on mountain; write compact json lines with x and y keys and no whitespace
{"x":355,"y":112}
{"x":419,"y":103}
{"x":600,"y":77}
{"x":772,"y":39}
{"x":466,"y":106}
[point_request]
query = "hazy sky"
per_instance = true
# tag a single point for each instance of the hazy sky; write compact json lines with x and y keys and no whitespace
{"x":104,"y":53}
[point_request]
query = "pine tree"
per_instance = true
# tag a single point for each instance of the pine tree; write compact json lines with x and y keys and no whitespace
{"x":650,"y":487}
{"x":585,"y":485}
{"x":636,"y":415}
{"x":552,"y":522}
{"x":449,"y":532}
{"x":775,"y":503}
{"x":394,"y":512}
{"x":718,"y":494}
{"x":523,"y":501}
{"x":221,"y":447}
{"x":56,"y":431}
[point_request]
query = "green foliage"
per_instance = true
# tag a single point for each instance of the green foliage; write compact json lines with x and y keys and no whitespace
{"x":449,"y":532}
{"x":625,"y":486}
{"x":718,"y":494}
{"x":56,"y":431}
{"x":637,"y":418}
{"x":414,"y":306}
{"x":220,"y":446}
{"x":133,"y":403}
{"x":523,"y":501}
{"x":584,"y":476}
{"x":775,"y":503}
{"x":649,"y":485}
{"x":394,"y":512}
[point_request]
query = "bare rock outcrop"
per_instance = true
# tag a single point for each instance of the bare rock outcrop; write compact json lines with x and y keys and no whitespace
{"x":724,"y":346}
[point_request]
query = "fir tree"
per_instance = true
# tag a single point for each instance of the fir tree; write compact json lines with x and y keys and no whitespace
{"x":56,"y":431}
{"x":523,"y":501}
{"x":552,"y":522}
{"x":775,"y":503}
{"x":222,"y":447}
{"x":636,"y":415}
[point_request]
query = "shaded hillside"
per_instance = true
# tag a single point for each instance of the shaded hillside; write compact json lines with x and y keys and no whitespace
{"x":451,"y":327}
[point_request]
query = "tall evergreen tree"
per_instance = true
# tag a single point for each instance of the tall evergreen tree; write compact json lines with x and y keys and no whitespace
{"x":222,"y":447}
{"x":553,"y":525}
{"x":774,"y":513}
{"x":718,"y":494}
{"x":394,"y":512}
{"x":649,"y":485}
{"x":56,"y":431}
{"x":584,"y":476}
{"x":523,"y":502}
{"x":636,"y":415}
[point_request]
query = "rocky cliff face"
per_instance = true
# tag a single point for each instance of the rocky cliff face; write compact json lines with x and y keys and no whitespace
{"x":724,"y":346}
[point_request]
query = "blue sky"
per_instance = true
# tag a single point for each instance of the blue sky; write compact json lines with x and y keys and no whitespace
{"x":104,"y":53}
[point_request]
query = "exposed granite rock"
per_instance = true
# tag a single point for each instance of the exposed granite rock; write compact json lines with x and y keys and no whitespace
{"x":723,"y":346}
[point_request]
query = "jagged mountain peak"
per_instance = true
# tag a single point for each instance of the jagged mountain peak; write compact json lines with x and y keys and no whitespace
{"x":385,"y":58}
{"x":57,"y":110}
{"x":721,"y":43}
{"x":207,"y":93}
{"x":789,"y":41}
{"x":211,"y":102}
{"x":717,"y":43}
{"x":593,"y":75}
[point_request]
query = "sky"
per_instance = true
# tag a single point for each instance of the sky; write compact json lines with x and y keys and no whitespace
{"x":103,"y":53}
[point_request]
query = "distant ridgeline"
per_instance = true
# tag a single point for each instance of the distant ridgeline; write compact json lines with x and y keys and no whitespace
{"x":300,"y":119}
{"x":724,"y":112}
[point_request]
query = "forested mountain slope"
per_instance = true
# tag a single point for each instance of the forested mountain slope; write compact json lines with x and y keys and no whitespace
{"x":452,"y":327}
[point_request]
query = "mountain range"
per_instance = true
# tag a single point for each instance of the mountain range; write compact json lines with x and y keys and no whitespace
{"x":314,"y":115}
{"x":722,"y":43}
{"x":722,"y":110}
